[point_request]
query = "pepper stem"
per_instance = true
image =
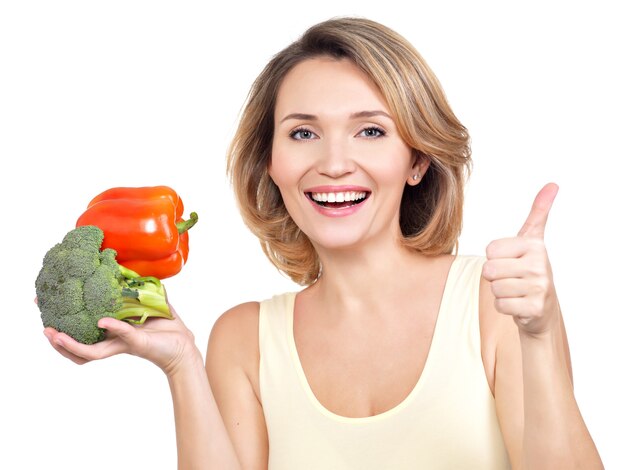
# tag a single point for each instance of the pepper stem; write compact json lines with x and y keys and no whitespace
{"x":185,"y":225}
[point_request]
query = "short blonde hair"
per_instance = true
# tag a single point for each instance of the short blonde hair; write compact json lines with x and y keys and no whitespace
{"x":430,"y":213}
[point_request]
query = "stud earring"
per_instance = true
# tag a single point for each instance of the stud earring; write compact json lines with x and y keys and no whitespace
{"x":416,"y":176}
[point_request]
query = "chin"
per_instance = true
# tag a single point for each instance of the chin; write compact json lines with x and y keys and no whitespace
{"x":343,"y":240}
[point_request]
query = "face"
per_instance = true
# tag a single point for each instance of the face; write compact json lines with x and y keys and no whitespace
{"x":337,"y":157}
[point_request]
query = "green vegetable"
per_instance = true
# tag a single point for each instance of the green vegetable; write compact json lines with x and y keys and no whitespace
{"x":78,"y":284}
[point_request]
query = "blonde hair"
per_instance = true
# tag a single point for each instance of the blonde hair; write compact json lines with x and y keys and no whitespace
{"x":430,"y":213}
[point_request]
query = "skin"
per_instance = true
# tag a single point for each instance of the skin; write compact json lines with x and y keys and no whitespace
{"x":372,"y":330}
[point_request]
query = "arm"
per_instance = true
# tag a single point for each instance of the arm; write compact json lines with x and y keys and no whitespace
{"x":551,"y":408}
{"x":233,"y":369}
{"x":202,"y":441}
{"x":540,"y":419}
{"x":201,"y":438}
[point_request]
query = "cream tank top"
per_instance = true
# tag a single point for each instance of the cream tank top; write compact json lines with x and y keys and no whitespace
{"x":448,"y":421}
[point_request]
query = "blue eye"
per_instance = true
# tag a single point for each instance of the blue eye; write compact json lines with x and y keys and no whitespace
{"x":372,"y":132}
{"x":302,"y":134}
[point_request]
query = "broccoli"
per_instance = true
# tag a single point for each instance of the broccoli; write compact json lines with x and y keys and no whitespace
{"x":78,"y":284}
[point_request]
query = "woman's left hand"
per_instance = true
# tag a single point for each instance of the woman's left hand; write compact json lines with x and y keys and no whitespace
{"x":520,"y":275}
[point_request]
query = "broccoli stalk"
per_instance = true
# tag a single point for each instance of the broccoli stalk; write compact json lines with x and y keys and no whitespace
{"x":78,"y":284}
{"x":143,"y":297}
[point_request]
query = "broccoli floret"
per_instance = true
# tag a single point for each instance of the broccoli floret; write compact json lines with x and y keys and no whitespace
{"x":102,"y":292}
{"x":78,"y":284}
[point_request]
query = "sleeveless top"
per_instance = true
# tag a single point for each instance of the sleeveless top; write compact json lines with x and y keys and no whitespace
{"x":448,"y":420}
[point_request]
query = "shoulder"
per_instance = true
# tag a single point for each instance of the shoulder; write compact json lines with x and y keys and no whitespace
{"x":232,"y":355}
{"x":234,"y":336}
{"x":232,"y":366}
{"x":240,"y":316}
{"x":236,"y":331}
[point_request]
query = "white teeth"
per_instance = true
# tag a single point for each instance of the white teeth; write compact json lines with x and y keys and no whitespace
{"x":345,"y":196}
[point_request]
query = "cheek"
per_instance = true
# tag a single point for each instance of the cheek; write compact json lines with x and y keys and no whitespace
{"x":277,"y":173}
{"x":285,"y":170}
{"x":388,"y":159}
{"x":275,"y":166}
{"x":390,"y":171}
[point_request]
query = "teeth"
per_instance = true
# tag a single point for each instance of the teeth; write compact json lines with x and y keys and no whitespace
{"x":339,"y":197}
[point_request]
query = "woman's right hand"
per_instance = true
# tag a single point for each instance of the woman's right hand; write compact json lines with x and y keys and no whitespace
{"x":166,"y":343}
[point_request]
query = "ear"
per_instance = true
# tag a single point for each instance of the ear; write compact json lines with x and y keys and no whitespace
{"x":419,"y":166}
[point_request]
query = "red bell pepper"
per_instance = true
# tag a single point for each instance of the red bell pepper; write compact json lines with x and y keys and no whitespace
{"x":145,"y":226}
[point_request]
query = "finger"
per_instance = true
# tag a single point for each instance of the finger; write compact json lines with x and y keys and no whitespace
{"x":509,"y":288}
{"x":514,"y":306}
{"x":90,"y":352}
{"x":51,"y":335}
{"x":114,"y":327}
{"x":536,"y":221}
{"x":504,"y":268}
{"x":122,"y":337}
{"x":514,"y":247}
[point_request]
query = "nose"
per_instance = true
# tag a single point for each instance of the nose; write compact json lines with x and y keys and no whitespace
{"x":335,"y":159}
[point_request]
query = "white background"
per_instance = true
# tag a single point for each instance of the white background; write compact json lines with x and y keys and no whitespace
{"x":131,"y":93}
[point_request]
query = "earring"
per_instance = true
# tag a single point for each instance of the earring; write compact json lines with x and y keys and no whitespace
{"x":416,"y":176}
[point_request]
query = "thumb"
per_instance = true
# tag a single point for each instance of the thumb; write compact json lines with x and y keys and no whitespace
{"x":118,"y":328}
{"x":535,"y":224}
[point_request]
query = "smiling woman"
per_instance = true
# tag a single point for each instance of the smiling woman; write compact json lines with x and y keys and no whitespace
{"x":346,"y":142}
{"x":404,"y":87}
{"x":349,"y":166}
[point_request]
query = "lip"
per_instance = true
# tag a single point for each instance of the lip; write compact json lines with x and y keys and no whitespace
{"x":337,"y":189}
{"x":336,"y":211}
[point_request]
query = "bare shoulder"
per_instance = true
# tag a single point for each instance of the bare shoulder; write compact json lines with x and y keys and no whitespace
{"x":234,"y":337}
{"x":244,"y":316}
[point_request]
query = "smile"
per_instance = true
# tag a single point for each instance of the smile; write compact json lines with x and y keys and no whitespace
{"x":337,"y":200}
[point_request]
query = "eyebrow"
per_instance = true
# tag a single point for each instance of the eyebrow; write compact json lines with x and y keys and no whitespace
{"x":313,"y":117}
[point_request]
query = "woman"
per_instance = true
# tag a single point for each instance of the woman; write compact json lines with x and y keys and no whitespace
{"x":349,"y":166}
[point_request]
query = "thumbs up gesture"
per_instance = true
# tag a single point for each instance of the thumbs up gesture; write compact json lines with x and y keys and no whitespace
{"x":519,"y":271}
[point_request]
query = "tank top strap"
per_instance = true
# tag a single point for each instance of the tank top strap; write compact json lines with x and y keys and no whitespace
{"x":458,"y":321}
{"x":275,"y":319}
{"x":278,"y":371}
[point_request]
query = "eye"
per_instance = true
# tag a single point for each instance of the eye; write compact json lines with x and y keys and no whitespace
{"x":302,"y":133}
{"x":372,"y":132}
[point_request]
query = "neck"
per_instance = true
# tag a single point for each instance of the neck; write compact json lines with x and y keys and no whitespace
{"x":369,"y":278}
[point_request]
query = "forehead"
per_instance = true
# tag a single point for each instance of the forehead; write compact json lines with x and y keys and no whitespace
{"x":324,"y":83}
